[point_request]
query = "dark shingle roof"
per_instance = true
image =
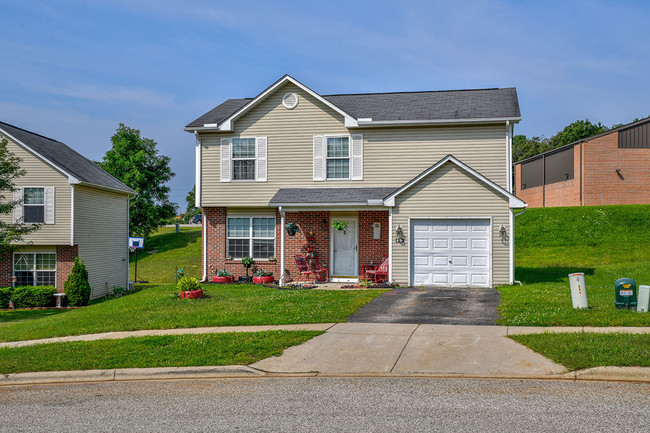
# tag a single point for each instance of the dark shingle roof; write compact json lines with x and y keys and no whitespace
{"x":329,"y":195}
{"x":418,"y":106}
{"x":64,"y":157}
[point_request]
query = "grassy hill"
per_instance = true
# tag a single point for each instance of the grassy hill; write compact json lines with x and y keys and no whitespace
{"x":167,"y":250}
{"x":604,"y":242}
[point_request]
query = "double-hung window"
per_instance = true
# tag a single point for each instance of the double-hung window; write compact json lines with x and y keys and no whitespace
{"x":243,"y":158}
{"x":34,"y":205}
{"x":251,"y":236}
{"x":35,"y":269}
{"x":338,"y":158}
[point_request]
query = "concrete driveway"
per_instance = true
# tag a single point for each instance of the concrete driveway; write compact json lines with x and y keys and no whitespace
{"x":432,"y":306}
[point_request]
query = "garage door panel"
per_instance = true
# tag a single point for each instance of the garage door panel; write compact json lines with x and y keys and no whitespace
{"x":451,"y":252}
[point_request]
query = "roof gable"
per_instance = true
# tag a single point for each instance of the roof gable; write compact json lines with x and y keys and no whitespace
{"x":514,"y":202}
{"x":63,"y":158}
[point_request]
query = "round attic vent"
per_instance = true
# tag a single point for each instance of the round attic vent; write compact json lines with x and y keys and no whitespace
{"x":290,"y":101}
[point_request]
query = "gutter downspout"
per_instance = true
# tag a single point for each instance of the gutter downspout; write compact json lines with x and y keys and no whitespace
{"x":282,"y":267}
{"x":197,"y":203}
{"x":390,"y":245}
{"x":512,"y":246}
{"x":509,"y":156}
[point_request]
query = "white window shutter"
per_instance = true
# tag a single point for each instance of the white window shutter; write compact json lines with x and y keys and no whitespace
{"x":261,"y":165}
{"x":357,"y":156}
{"x":49,"y":205}
{"x":319,"y":158}
{"x":18,"y":209}
{"x":225,"y":160}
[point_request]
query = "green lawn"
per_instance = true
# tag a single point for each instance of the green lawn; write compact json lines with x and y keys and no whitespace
{"x":160,"y":351}
{"x":606,"y":243}
{"x":582,"y":350}
{"x":173,"y":250}
{"x":156,"y":307}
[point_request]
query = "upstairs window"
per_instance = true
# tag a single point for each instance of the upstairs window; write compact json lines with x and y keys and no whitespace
{"x":243,"y":159}
{"x":338,"y":158}
{"x":34,"y":205}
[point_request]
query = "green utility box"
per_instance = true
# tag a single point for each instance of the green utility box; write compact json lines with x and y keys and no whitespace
{"x":625,"y":292}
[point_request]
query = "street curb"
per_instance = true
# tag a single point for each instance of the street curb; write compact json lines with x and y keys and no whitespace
{"x":604,"y":374}
{"x":129,"y":374}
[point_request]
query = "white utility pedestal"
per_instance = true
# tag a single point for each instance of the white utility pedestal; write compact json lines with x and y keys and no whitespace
{"x":643,"y":299}
{"x":578,"y":290}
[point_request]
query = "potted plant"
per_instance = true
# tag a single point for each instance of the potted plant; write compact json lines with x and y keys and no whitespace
{"x":263,"y":277}
{"x":189,"y":288}
{"x":222,"y":276}
{"x":310,"y":236}
{"x":340,"y":225}
{"x":310,"y":255}
{"x":291,"y":229}
{"x":247,"y":263}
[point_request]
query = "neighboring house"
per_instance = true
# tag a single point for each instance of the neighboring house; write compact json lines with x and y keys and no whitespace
{"x":607,"y":168}
{"x":83,"y":210}
{"x":421,"y":177}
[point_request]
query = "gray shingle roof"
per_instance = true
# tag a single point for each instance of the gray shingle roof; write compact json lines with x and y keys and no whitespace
{"x":329,"y":195}
{"x":435,"y":105}
{"x":64,"y":157}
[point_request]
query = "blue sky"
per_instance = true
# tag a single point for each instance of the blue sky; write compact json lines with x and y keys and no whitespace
{"x":74,"y":70}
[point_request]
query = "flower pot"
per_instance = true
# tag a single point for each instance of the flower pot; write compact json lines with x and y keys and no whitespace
{"x":245,"y":279}
{"x":263,"y":280}
{"x":226,"y":279}
{"x":291,"y":232}
{"x":192,"y":294}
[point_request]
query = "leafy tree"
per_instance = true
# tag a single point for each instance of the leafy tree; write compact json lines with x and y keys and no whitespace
{"x":524,"y":147}
{"x":135,"y":161}
{"x":576,"y":131}
{"x":77,"y":287}
{"x":10,"y":232}
{"x":191,"y":210}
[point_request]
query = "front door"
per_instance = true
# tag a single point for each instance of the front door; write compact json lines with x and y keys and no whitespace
{"x":344,"y":250}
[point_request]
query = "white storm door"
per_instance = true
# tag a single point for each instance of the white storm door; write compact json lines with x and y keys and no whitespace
{"x":344,"y":249}
{"x":451,"y":253}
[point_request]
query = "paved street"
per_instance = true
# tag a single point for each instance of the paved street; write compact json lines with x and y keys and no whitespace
{"x":327,"y":404}
{"x":434,"y":306}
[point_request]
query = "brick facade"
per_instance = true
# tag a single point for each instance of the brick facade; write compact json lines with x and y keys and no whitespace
{"x":65,"y":255}
{"x":596,"y":181}
{"x":6,"y":270}
{"x":317,"y":222}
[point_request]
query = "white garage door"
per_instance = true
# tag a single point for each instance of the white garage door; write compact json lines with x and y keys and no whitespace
{"x":451,"y":253}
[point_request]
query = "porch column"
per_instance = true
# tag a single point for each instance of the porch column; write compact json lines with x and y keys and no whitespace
{"x":282,"y":267}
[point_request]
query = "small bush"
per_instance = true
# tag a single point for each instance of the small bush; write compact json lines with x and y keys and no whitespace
{"x":5,"y":296}
{"x":30,"y":296}
{"x":77,"y":287}
{"x":187,"y":284}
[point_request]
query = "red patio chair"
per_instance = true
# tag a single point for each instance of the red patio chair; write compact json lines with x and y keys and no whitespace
{"x":379,"y":272}
{"x":304,"y":269}
{"x":323,"y":274}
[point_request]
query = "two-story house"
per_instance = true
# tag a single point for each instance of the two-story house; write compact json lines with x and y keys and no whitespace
{"x":421,"y":177}
{"x":83,"y":212}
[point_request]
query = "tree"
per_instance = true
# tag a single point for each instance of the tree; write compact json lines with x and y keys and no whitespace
{"x":135,"y":161}
{"x":10,"y":233}
{"x":191,"y":210}
{"x":524,"y":147}
{"x":576,"y":131}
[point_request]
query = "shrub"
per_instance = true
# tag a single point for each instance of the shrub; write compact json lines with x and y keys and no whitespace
{"x":187,"y":284}
{"x":77,"y":287}
{"x":262,"y":273}
{"x":30,"y":296}
{"x":5,"y":296}
{"x":223,"y":273}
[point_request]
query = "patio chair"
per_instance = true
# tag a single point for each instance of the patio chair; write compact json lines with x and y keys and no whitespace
{"x":378,"y":272}
{"x":310,"y":274}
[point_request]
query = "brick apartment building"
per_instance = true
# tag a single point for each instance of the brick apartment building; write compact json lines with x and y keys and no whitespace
{"x":604,"y":169}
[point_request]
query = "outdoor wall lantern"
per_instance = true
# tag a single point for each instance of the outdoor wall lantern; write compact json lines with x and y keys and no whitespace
{"x":400,"y":235}
{"x":502,"y":232}
{"x":376,"y":230}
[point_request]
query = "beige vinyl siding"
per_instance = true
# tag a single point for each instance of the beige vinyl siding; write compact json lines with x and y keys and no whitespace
{"x":392,"y":156}
{"x":39,"y":173}
{"x":101,"y":232}
{"x":450,"y":193}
